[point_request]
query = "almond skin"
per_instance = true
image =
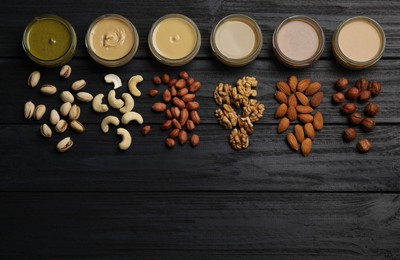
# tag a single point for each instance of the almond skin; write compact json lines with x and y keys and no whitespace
{"x":306,"y":146}
{"x":281,"y":97}
{"x":284,"y":87}
{"x":292,"y":141}
{"x":291,"y":113}
{"x":292,"y":81}
{"x":313,"y":88}
{"x":302,"y":98}
{"x":305,"y":118}
{"x":283,"y":125}
{"x":317,"y":99}
{"x":281,"y":111}
{"x":309,"y":130}
{"x":318,"y":122}
{"x":303,"y":84}
{"x":304,"y":109}
{"x":292,"y":101}
{"x":299,"y":133}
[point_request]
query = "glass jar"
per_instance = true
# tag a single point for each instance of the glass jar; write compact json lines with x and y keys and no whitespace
{"x":298,"y":41}
{"x":174,"y":40}
{"x":358,"y":43}
{"x":112,"y":40}
{"x":49,"y":40}
{"x":236,"y":40}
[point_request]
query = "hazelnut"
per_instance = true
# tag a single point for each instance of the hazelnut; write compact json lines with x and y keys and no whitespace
{"x":349,"y":108}
{"x":349,"y":134}
{"x":371,"y":109}
{"x":365,"y":95}
{"x":355,"y":118}
{"x":361,"y":84}
{"x":364,"y":145}
{"x":341,"y":83}
{"x":338,"y":97}
{"x":375,"y":88}
{"x":368,"y":124}
{"x":352,"y":93}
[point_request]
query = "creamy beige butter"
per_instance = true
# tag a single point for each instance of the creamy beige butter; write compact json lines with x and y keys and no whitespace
{"x":359,"y":41}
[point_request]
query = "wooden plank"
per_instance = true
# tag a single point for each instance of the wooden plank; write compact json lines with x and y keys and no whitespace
{"x":205,"y":13}
{"x":199,"y":226}
{"x":30,"y":162}
{"x":15,"y":92}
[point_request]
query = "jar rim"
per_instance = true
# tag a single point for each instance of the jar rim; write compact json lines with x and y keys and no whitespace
{"x":66,"y":56}
{"x":359,"y":64}
{"x":114,"y":62}
{"x":243,"y":60}
{"x":169,"y":61}
{"x":302,"y":63}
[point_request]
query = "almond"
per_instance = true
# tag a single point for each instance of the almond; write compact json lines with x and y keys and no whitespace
{"x":291,"y":113}
{"x":292,"y":81}
{"x":299,"y":133}
{"x":281,"y":111}
{"x":309,"y":130}
{"x":317,"y":99}
{"x":318,"y":122}
{"x":306,"y":146}
{"x":283,"y":125}
{"x":292,"y":141}
{"x":281,"y":97}
{"x":313,"y":88}
{"x":304,"y":109}
{"x":305,"y":118}
{"x":284,"y":87}
{"x":292,"y":101}
{"x":302,"y":98}
{"x":303,"y":84}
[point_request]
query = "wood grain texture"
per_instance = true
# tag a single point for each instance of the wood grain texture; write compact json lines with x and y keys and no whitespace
{"x":199,"y":226}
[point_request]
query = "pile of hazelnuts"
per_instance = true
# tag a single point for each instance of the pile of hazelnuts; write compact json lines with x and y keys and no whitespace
{"x":361,"y":91}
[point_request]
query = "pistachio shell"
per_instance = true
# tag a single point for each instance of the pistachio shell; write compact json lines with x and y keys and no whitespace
{"x":29,"y":109}
{"x":65,"y":108}
{"x":78,"y":85}
{"x":74,"y":113}
{"x":45,"y":130}
{"x":33,"y":79}
{"x":48,"y":89}
{"x":64,"y":144}
{"x":84,"y":96}
{"x":39,"y":112}
{"x":54,"y":117}
{"x":77,"y":126}
{"x":67,"y":96}
{"x":65,"y":71}
{"x":61,"y":126}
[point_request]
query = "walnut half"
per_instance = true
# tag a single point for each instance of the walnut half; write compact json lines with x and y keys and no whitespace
{"x":254,"y":110}
{"x":239,"y":139}
{"x":226,"y":116}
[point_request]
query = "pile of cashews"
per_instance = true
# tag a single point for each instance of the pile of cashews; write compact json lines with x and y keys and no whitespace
{"x":125,"y":105}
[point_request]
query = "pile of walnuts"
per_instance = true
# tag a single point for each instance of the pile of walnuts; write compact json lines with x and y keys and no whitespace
{"x":240,"y":96}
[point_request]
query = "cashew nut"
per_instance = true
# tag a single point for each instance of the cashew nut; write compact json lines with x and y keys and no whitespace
{"x":109,"y":120}
{"x":126,"y":139}
{"x":113,"y":101}
{"x":131,"y":116}
{"x":133,"y":85}
{"x":112,"y":78}
{"x":129,"y":103}
{"x":97,"y":105}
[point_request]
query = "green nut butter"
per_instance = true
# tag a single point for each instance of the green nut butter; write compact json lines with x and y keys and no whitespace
{"x":49,"y":41}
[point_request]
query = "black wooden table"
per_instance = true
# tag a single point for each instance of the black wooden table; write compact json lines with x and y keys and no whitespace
{"x":96,"y":202}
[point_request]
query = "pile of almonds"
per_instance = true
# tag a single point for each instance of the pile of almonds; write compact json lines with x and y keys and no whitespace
{"x":183,"y":112}
{"x":293,"y":97}
{"x":361,"y":91}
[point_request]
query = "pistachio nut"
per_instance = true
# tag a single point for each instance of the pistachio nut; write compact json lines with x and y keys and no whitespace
{"x":61,"y":126}
{"x":65,"y":71}
{"x":29,"y":109}
{"x":67,"y":96}
{"x":64,"y":144}
{"x":33,"y":79}
{"x":45,"y":130}
{"x":84,"y":96}
{"x":39,"y":112}
{"x":78,"y":85}
{"x":48,"y":89}
{"x":54,"y":117}
{"x":77,"y":126}
{"x":65,"y":108}
{"x":74,"y":113}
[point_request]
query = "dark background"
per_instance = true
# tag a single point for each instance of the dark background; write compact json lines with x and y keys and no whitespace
{"x":267,"y":202}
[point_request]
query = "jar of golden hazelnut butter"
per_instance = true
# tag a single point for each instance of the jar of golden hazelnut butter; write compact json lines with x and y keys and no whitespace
{"x":49,"y":40}
{"x":112,"y":40}
{"x":358,"y":43}
{"x":174,"y":40}
{"x":236,"y":40}
{"x":298,"y":41}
